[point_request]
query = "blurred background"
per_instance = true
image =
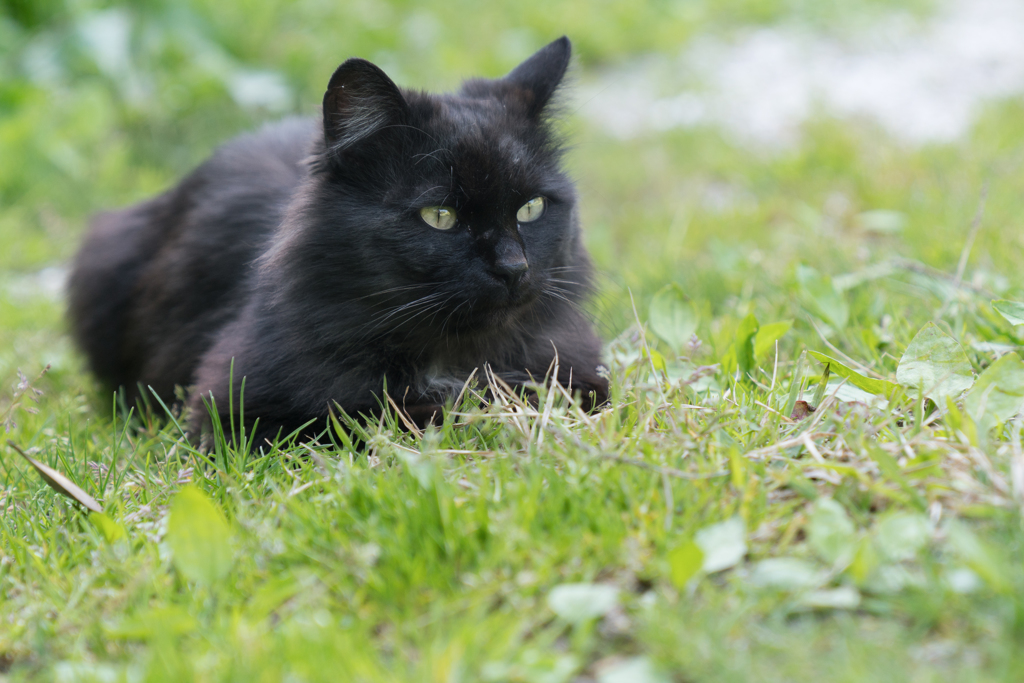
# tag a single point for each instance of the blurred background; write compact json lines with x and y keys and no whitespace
{"x":720,"y":144}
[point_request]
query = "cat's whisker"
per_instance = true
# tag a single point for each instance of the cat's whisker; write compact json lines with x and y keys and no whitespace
{"x":425,"y":306}
{"x":400,"y":315}
{"x":437,"y":309}
{"x":444,"y":323}
{"x":441,"y":308}
{"x":559,"y":294}
{"x":558,"y":269}
{"x":408,"y":308}
{"x":560,"y":290}
{"x":398,"y":309}
{"x":365,"y":331}
{"x":433,"y":285}
{"x":435,"y":187}
{"x":561,"y":297}
{"x":430,"y":155}
{"x":435,"y":306}
{"x":392,"y":290}
{"x":415,"y":128}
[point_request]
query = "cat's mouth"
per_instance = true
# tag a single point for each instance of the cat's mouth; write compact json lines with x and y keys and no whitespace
{"x":523,"y":293}
{"x":503,"y":304}
{"x":522,"y":297}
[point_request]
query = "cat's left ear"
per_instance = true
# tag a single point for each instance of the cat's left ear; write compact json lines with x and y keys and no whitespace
{"x":360,"y":101}
{"x":539,"y":75}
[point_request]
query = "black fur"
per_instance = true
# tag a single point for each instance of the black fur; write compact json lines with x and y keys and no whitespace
{"x":299,"y":252}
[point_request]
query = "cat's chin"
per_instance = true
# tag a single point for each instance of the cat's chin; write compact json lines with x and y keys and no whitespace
{"x":507,"y":310}
{"x":524,"y":296}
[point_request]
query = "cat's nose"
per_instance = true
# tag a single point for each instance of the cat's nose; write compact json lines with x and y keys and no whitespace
{"x":511,"y":270}
{"x":510,"y":264}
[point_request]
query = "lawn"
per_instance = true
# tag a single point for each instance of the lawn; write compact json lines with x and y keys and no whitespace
{"x":811,"y":470}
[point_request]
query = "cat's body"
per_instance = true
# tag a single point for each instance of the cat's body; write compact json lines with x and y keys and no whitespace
{"x":405,"y":241}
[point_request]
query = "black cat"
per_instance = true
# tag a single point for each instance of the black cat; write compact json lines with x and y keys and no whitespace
{"x":405,"y":241}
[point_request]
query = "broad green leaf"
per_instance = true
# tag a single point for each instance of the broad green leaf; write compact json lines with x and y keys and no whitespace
{"x":935,"y":364}
{"x":727,"y":361}
{"x":271,"y":595}
{"x":786,"y":573}
{"x":673,"y":318}
{"x":880,"y":387}
{"x":632,"y":670}
{"x":111,"y":530}
{"x":901,"y":535}
{"x":684,"y":562}
{"x":830,"y":532}
{"x":998,"y":394}
{"x":1013,"y":311}
{"x":892,"y":578}
{"x":767,"y":335}
{"x":745,"y":343}
{"x":199,"y":537}
{"x":985,"y":559}
{"x":822,"y":297}
{"x":865,"y":561}
{"x":657,"y":360}
{"x":723,"y":544}
{"x":579,"y":602}
{"x":845,"y":391}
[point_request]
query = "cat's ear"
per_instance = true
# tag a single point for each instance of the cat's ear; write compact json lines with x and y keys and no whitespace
{"x":360,"y":100}
{"x":540,"y":74}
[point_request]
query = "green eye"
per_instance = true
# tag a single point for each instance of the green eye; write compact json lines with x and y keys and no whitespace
{"x":531,"y":210}
{"x":440,"y":217}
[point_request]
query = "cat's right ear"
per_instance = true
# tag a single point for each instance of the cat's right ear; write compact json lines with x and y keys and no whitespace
{"x":540,"y":74}
{"x":360,"y":101}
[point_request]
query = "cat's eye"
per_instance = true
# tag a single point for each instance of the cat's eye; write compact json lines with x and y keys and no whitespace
{"x":440,"y":217}
{"x":531,"y":210}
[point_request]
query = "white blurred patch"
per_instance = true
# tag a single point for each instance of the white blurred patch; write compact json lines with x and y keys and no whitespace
{"x":41,"y":61}
{"x":47,"y":283}
{"x":260,"y":89}
{"x":921,"y":81}
{"x":106,"y":36}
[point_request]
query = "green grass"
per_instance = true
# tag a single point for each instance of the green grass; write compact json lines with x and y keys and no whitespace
{"x":867,"y":541}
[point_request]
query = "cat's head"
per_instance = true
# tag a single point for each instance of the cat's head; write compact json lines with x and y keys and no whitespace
{"x":448,"y":212}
